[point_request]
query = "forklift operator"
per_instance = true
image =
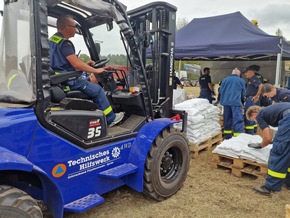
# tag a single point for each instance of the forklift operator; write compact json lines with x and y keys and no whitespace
{"x":63,"y":59}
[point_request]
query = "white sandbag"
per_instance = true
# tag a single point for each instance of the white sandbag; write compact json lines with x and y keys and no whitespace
{"x":203,"y":119}
{"x":193,"y":103}
{"x":195,"y":119}
{"x":237,"y":147}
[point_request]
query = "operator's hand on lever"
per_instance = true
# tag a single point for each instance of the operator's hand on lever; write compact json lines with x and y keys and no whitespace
{"x":100,"y":70}
{"x":97,"y":70}
{"x":91,"y":63}
{"x":101,"y":63}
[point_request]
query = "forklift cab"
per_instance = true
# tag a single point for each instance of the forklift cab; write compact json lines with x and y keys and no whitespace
{"x":70,"y":115}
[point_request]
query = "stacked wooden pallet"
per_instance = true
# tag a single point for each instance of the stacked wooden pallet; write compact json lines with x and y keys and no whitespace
{"x":222,"y":121}
{"x":287,"y":210}
{"x":205,"y":145}
{"x":239,"y":167}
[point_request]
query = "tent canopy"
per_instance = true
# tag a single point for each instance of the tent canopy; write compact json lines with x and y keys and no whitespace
{"x":224,"y":37}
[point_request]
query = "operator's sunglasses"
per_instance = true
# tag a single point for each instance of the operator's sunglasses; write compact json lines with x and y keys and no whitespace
{"x":74,"y":26}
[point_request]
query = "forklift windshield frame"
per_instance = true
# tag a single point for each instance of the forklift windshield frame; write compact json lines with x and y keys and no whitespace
{"x":17,"y":55}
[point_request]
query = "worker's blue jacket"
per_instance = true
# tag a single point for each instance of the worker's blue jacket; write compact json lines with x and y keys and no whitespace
{"x":231,"y":91}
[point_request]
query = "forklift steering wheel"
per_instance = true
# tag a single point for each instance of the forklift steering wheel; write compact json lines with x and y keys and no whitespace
{"x":101,"y":63}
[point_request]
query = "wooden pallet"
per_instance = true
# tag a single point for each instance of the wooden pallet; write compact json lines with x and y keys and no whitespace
{"x":205,"y":145}
{"x":216,"y":139}
{"x":221,"y":121}
{"x":287,"y":210}
{"x":239,"y":167}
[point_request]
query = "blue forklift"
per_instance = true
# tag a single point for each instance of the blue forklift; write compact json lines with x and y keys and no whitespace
{"x":55,"y":146}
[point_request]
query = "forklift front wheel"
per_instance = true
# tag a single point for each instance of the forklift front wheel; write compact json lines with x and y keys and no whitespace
{"x":167,"y":164}
{"x":16,"y":203}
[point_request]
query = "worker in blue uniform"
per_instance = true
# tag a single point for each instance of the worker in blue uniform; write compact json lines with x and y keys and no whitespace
{"x":206,"y":86}
{"x":276,"y":94}
{"x":63,"y":59}
{"x":276,"y":115}
{"x":253,"y":93}
{"x":264,"y":101}
{"x":231,"y":91}
{"x":176,"y":82}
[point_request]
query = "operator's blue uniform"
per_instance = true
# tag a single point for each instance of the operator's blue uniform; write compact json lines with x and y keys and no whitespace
{"x":231,"y":91}
{"x":251,"y":91}
{"x":175,"y":82}
{"x":205,"y":91}
{"x":264,"y":101}
{"x":279,"y":160}
{"x":60,"y":48}
{"x":282,"y":95}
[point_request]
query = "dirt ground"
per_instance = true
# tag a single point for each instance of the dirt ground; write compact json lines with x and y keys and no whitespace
{"x":207,"y":192}
{"x":194,"y":91}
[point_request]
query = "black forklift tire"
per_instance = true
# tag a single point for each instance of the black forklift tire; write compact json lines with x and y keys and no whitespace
{"x":167,"y":164}
{"x":16,"y":203}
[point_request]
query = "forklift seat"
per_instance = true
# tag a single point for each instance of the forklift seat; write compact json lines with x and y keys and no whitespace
{"x":57,"y":91}
{"x":71,"y":100}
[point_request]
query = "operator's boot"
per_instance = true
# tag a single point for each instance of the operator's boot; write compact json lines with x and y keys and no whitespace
{"x":261,"y":189}
{"x":118,"y":118}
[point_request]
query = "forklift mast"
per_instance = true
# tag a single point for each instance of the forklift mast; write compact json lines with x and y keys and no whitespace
{"x":154,"y":26}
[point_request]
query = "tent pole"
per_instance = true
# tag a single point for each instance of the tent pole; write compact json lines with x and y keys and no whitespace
{"x":278,"y":69}
{"x":179,"y":65}
{"x":278,"y":65}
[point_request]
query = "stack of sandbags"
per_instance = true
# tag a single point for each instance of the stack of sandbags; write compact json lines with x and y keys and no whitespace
{"x":203,"y":119}
{"x":237,"y":147}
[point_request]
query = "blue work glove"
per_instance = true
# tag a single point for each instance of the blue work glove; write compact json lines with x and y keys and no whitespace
{"x":255,"y":145}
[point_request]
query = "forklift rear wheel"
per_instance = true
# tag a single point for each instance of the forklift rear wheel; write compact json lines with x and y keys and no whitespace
{"x":16,"y":203}
{"x":167,"y":164}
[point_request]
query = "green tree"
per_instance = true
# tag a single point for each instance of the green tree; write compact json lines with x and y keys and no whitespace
{"x":280,"y":33}
{"x":116,"y":59}
{"x":84,"y":57}
{"x":181,"y":22}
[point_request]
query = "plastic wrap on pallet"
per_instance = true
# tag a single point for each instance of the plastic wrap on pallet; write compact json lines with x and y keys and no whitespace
{"x":203,"y":119}
{"x":237,"y":147}
{"x":179,"y":95}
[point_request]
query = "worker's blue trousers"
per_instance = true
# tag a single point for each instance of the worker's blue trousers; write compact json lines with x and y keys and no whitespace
{"x":233,"y":121}
{"x":279,"y":159}
{"x":206,"y":93}
{"x":250,"y":126}
{"x":96,"y":92}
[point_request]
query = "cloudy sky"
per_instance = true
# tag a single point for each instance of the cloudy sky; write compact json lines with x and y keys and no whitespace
{"x":270,"y":14}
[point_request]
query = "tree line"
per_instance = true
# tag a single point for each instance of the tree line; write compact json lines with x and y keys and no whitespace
{"x":115,"y":59}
